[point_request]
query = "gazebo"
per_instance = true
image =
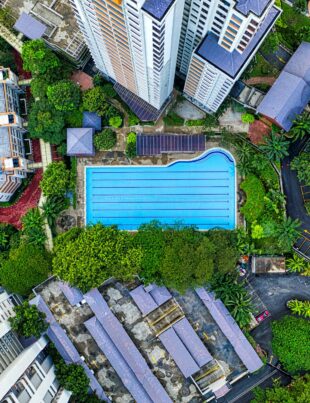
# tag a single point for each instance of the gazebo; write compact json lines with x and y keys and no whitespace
{"x":80,"y":142}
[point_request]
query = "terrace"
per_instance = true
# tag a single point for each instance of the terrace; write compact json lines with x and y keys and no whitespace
{"x":214,"y":360}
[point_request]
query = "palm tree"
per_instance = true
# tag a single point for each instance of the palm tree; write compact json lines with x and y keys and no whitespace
{"x":240,"y":307}
{"x":296,"y":264}
{"x":295,"y":306}
{"x":244,"y":153}
{"x":52,"y":207}
{"x":275,"y":147}
{"x":32,"y":218}
{"x":301,"y":126}
{"x":287,"y":233}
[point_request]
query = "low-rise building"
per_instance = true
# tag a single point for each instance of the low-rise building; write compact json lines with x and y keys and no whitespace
{"x":13,"y":162}
{"x":26,"y":370}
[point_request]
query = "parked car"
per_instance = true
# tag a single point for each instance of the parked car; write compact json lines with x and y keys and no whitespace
{"x":262,"y":316}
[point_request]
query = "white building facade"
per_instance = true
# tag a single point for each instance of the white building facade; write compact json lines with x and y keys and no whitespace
{"x":26,"y":373}
{"x":134,"y":43}
{"x":213,"y":55}
{"x":13,"y":166}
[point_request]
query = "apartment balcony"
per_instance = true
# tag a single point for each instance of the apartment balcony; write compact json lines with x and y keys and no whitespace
{"x":11,"y":119}
{"x":8,"y":77}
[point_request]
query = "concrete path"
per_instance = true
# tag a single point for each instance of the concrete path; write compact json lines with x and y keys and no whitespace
{"x":46,"y":153}
{"x":49,"y":237}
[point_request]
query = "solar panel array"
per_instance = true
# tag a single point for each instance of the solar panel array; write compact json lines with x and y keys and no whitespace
{"x":164,"y":143}
{"x":141,"y":108}
{"x":231,"y":330}
{"x":122,"y":353}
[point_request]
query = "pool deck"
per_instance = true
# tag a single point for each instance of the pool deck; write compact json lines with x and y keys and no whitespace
{"x":113,"y":158}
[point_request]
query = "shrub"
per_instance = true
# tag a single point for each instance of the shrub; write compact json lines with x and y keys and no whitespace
{"x":131,"y":145}
{"x":74,"y":118}
{"x":7,"y":231}
{"x":172,"y":119}
{"x":109,"y":91}
{"x":115,"y":121}
{"x":93,"y":99}
{"x":38,"y":58}
{"x":105,"y":140}
{"x":33,"y":227}
{"x":255,"y":193}
{"x":55,"y":180}
{"x":27,"y":266}
{"x":133,"y":120}
{"x":302,"y":165}
{"x":64,"y":95}
{"x":290,"y":343}
{"x":28,"y":320}
{"x":247,"y":118}
{"x":98,"y":80}
{"x":197,"y":122}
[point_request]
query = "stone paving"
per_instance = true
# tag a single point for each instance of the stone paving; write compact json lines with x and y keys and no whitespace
{"x":188,"y":111}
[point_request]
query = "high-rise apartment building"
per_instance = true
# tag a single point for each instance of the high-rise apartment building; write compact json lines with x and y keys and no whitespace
{"x":219,"y":38}
{"x":26,"y":370}
{"x":134,"y":43}
{"x":13,"y":164}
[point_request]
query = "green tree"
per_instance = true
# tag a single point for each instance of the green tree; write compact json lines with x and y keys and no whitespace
{"x":28,"y":320}
{"x":72,"y":377}
{"x":225,"y":249}
{"x":301,"y":126}
{"x":33,"y":227}
{"x":55,"y":180}
{"x":98,"y":80}
{"x":109,"y":91}
{"x":275,"y":147}
{"x":240,"y":306}
{"x":247,"y":118}
{"x":287,"y":233}
{"x":115,"y":121}
{"x":64,"y":95}
{"x":27,"y":266}
{"x":109,"y":253}
{"x":271,"y":43}
{"x":301,"y":164}
{"x":46,"y":123}
{"x":296,"y":392}
{"x":188,"y":260}
{"x":105,"y":140}
{"x":94,"y":99}
{"x":296,"y":264}
{"x":52,"y":207}
{"x":300,"y":5}
{"x":6,"y":233}
{"x":38,"y":58}
{"x":301,"y":308}
{"x":131,"y":145}
{"x":290,"y":343}
{"x":39,"y":86}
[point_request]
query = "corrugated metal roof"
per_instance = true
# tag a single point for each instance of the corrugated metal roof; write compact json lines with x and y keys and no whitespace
{"x":252,"y":6}
{"x":126,"y":347}
{"x":231,"y":330}
{"x":290,"y":93}
{"x":157,"y":8}
{"x":192,"y":342}
{"x":232,"y":62}
{"x":160,"y":294}
{"x":143,"y":299}
{"x":179,"y":353}
{"x":73,"y":295}
{"x":80,"y":141}
{"x":29,"y":26}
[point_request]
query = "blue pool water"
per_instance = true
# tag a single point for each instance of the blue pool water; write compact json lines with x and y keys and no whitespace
{"x":199,"y":192}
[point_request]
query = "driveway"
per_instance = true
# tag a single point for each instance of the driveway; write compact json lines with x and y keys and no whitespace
{"x":275,"y":290}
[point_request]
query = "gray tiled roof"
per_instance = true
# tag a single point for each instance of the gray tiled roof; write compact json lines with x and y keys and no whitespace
{"x":80,"y":141}
{"x":157,"y":8}
{"x":252,"y":6}
{"x":29,"y":26}
{"x":232,"y":62}
{"x":290,"y":94}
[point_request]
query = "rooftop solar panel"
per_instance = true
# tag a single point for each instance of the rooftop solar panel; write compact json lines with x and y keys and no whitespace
{"x":231,"y":330}
{"x":29,"y":26}
{"x":73,"y":295}
{"x":126,"y":347}
{"x":117,"y":361}
{"x":144,"y":300}
{"x":179,"y":353}
{"x":192,"y":342}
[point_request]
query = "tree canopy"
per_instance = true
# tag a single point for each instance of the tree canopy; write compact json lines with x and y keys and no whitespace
{"x":38,"y":58}
{"x":290,"y":343}
{"x":55,"y":180}
{"x":26,"y":267}
{"x":72,"y":377}
{"x":301,"y":164}
{"x":64,"y":95}
{"x":109,"y":253}
{"x":28,"y":321}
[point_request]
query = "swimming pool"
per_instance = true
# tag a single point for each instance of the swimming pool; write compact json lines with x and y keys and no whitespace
{"x":199,"y":192}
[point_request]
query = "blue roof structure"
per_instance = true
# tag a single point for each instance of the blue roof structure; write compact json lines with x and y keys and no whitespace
{"x":179,"y":352}
{"x":144,"y":300}
{"x":157,"y":8}
{"x":256,"y":7}
{"x":73,"y":295}
{"x":92,"y":120}
{"x":290,"y":93}
{"x":231,"y":330}
{"x":29,"y":26}
{"x":80,"y":142}
{"x":160,"y":294}
{"x":232,"y":62}
{"x":113,"y":340}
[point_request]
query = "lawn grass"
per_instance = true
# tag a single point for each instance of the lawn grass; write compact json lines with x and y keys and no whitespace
{"x":262,"y":68}
{"x":195,"y":122}
{"x":172,"y":119}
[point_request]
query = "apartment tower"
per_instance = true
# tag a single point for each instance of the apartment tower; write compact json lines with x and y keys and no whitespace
{"x":13,"y":166}
{"x":219,"y":38}
{"x":134,"y":43}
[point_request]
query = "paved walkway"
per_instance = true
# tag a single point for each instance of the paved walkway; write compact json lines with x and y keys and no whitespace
{"x":46,"y":154}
